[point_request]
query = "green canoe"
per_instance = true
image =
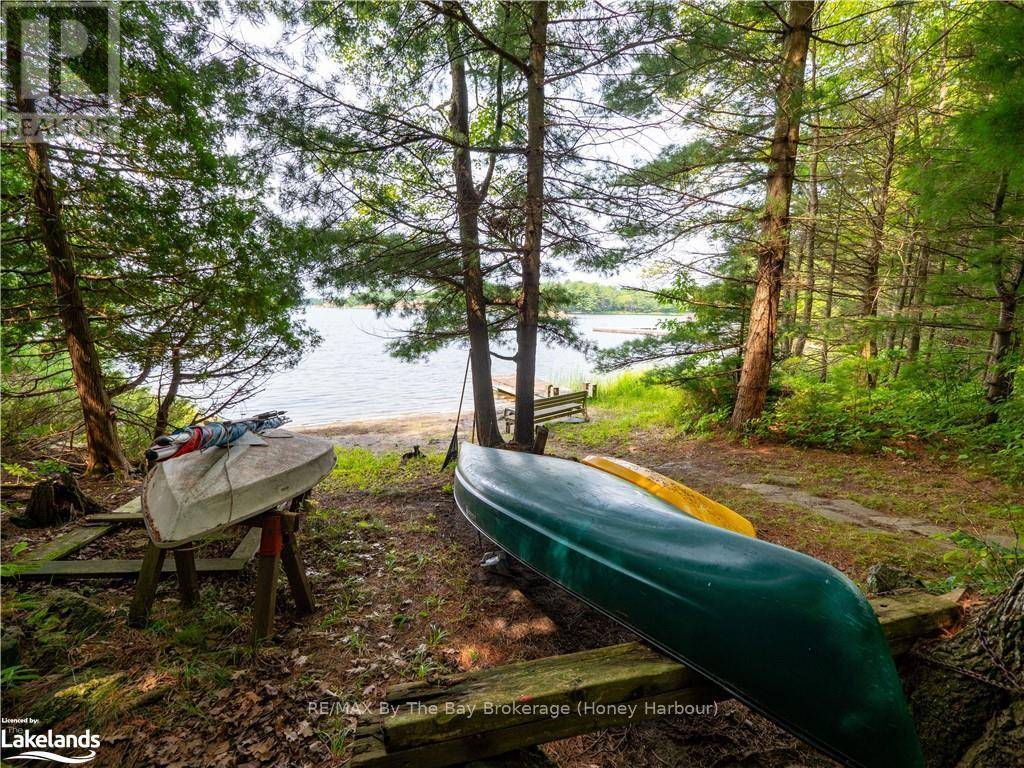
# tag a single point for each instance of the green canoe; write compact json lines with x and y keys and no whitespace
{"x":787,"y":634}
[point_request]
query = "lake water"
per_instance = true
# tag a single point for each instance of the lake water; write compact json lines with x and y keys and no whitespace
{"x":350,"y":375}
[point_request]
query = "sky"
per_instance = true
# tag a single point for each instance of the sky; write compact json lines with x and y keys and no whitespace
{"x":642,"y":144}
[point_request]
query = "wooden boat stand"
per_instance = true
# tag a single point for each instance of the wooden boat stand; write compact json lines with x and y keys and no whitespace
{"x":278,"y":546}
{"x":442,"y":721}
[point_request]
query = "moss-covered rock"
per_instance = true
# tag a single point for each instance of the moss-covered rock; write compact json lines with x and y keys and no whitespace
{"x":78,"y":614}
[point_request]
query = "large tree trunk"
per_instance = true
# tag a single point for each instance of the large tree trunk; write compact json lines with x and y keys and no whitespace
{"x":529,"y":301}
{"x":1008,"y":275}
{"x":468,"y":204}
{"x":103,"y":447}
{"x":771,"y":258}
{"x":966,"y":692}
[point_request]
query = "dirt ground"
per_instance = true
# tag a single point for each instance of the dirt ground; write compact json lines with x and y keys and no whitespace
{"x":401,"y":596}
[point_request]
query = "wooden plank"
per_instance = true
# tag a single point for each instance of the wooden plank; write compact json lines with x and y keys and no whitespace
{"x":65,"y":544}
{"x":603,"y":675}
{"x":120,"y":569}
{"x":121,"y":518}
{"x":370,"y":751}
{"x":117,"y":569}
{"x":295,"y":570}
{"x":445,"y":723}
{"x":908,"y":617}
{"x":248,"y":546}
{"x":129,"y":512}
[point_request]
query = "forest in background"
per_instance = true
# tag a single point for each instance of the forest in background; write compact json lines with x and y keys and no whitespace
{"x":833,"y":193}
{"x":582,"y":297}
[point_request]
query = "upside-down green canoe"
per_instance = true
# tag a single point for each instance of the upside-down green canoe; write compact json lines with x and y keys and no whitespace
{"x":786,"y":634}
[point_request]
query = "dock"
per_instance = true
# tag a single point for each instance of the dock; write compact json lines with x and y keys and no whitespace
{"x":634,"y":331}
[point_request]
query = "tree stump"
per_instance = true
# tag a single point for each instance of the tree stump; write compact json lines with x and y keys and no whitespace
{"x":966,"y":692}
{"x":54,"y":501}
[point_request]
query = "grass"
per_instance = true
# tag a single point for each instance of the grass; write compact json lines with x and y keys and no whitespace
{"x":653,"y":424}
{"x":623,"y":405}
{"x":361,"y":470}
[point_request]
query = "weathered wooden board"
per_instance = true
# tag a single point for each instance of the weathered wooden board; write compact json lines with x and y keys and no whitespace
{"x":115,"y":569}
{"x":66,"y":543}
{"x":908,"y":617}
{"x":611,"y":674}
{"x":443,"y":724}
{"x":122,"y":518}
{"x":119,"y":569}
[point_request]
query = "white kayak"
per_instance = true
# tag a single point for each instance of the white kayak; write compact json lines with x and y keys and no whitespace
{"x":203,"y":492}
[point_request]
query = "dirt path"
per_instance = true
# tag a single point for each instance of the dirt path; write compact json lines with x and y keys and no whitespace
{"x":700,"y":460}
{"x":784,"y":491}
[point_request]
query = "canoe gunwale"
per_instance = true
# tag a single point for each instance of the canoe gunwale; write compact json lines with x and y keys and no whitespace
{"x":726,"y":686}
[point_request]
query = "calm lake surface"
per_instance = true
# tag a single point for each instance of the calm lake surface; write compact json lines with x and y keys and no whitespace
{"x":351,"y":376}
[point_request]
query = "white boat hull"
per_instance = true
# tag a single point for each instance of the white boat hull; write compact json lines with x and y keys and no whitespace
{"x":200,"y":493}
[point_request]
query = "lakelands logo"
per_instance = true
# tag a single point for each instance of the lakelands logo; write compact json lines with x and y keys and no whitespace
{"x":40,"y":746}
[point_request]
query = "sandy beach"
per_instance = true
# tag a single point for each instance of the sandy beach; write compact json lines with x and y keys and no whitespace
{"x":430,"y":431}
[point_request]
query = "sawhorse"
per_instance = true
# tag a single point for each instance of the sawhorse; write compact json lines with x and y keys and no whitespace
{"x":278,"y":546}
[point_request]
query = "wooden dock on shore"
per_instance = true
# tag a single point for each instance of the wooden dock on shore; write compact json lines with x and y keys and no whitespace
{"x":634,"y":331}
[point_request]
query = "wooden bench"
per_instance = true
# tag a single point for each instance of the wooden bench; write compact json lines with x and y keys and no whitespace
{"x":549,"y":408}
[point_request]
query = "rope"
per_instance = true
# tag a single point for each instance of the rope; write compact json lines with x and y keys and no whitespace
{"x":453,"y":446}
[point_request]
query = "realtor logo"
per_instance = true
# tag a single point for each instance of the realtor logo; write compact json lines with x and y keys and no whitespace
{"x":63,"y":69}
{"x":40,"y":746}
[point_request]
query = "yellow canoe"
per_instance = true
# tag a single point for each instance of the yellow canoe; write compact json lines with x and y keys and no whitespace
{"x":675,"y":493}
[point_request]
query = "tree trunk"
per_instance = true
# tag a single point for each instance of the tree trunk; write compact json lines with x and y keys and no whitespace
{"x":791,"y":296}
{"x":103,"y":447}
{"x":57,"y":500}
{"x":1008,"y":273}
{"x":830,"y":292}
{"x":872,"y":286}
{"x":869,"y":296}
{"x":163,"y":411}
{"x":771,"y":258}
{"x":917,"y":300}
{"x":811,"y":227}
{"x":468,"y":204}
{"x":965,"y":692}
{"x":529,"y":301}
{"x":898,"y":309}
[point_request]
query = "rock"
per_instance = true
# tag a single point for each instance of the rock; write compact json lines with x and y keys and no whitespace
{"x":789,"y":481}
{"x":105,"y":696}
{"x":78,"y":613}
{"x":884,"y":578}
{"x":10,"y":646}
